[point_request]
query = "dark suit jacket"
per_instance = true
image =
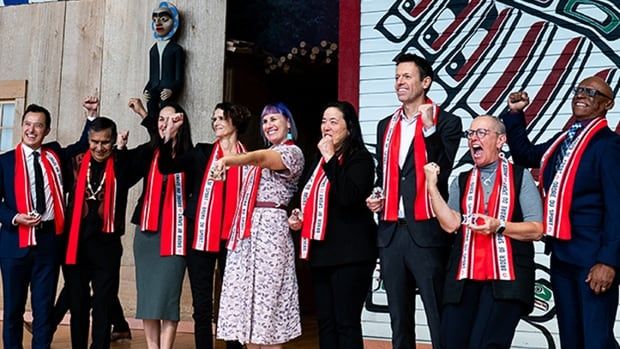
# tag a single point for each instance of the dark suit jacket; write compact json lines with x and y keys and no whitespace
{"x":9,"y":238}
{"x":126,"y":176}
{"x":595,"y":209}
{"x":172,"y":70}
{"x":441,"y":148}
{"x":351,"y":232}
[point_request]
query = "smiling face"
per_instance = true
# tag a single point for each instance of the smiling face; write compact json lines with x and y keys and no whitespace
{"x":485,"y":149}
{"x":162,"y":22}
{"x":334,"y":125}
{"x":275,"y":128}
{"x":34,"y":129}
{"x":408,"y":83}
{"x":100,"y":144}
{"x":586,"y":107}
{"x":164,"y":114}
{"x":222,"y":126}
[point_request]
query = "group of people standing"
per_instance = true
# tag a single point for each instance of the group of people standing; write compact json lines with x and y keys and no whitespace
{"x":203,"y":204}
{"x":477,"y":283}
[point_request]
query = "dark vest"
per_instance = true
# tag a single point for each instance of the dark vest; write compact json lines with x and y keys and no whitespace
{"x":522,"y":288}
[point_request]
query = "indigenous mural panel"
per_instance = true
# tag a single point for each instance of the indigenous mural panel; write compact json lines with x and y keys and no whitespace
{"x":481,"y":51}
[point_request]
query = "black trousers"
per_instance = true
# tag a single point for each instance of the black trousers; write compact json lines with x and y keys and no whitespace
{"x":339,"y":293}
{"x":405,"y":267}
{"x":479,"y":321}
{"x":98,"y":267}
{"x":200,"y":269}
{"x":117,"y":317}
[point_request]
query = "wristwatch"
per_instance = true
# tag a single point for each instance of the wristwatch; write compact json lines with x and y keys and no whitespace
{"x":501,"y":227}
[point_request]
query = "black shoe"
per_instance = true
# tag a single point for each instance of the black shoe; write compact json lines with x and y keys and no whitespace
{"x":119,"y":336}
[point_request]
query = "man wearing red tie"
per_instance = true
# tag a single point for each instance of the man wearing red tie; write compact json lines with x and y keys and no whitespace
{"x":32,"y":178}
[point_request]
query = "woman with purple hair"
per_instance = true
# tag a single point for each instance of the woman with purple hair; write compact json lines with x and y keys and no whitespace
{"x":259,"y":304}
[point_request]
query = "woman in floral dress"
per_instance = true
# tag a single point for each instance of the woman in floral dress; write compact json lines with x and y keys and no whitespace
{"x":259,"y":303}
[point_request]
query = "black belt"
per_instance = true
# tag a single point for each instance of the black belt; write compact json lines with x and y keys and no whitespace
{"x":402,"y":221}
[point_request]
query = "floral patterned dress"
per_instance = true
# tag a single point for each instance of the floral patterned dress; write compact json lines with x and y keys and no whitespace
{"x":259,"y":302}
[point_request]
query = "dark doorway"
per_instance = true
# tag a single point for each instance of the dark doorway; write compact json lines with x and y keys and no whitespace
{"x":284,"y":51}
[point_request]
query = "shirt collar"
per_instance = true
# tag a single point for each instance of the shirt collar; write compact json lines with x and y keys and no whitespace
{"x":28,"y":151}
{"x":403,"y":117}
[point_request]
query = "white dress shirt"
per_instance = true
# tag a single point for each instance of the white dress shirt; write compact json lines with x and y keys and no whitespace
{"x":407,"y":133}
{"x":48,"y":215}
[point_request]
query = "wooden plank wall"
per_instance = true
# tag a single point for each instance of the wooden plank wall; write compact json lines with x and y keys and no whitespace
{"x":72,"y":49}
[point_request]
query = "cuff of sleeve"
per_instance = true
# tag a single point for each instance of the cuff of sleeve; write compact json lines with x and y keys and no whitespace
{"x":609,"y":255}
{"x":13,"y":221}
{"x":429,"y":132}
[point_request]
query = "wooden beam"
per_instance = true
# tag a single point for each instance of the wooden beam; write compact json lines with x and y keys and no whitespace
{"x":12,"y":89}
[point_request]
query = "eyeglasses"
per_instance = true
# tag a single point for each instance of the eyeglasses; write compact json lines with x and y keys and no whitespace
{"x":590,"y":92}
{"x":481,"y":133}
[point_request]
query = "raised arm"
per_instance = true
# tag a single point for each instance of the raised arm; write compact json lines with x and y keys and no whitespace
{"x":90,"y":105}
{"x":449,"y":219}
{"x":523,"y":151}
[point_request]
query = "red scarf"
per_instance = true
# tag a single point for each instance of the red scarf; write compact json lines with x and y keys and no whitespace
{"x":422,"y":209}
{"x":488,"y":257}
{"x":23,"y":198}
{"x":217,"y":203}
{"x":243,"y":214}
{"x":242,"y":222}
{"x":173,"y":224}
{"x":560,"y":196}
{"x":109,"y":204}
{"x":314,"y":208}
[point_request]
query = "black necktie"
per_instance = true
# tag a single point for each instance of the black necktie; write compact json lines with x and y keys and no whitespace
{"x":38,"y":183}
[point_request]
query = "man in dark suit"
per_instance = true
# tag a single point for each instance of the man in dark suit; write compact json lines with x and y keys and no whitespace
{"x":32,"y":215}
{"x":95,"y":222}
{"x":412,"y":247}
{"x":579,"y":172}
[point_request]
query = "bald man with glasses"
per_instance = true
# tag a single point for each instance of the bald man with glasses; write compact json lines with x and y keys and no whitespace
{"x":579,"y":175}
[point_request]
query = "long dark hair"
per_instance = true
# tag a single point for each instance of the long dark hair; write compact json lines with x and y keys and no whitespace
{"x":354,"y":141}
{"x":184,"y":136}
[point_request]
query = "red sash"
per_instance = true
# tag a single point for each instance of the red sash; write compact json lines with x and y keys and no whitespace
{"x":243,"y":215}
{"x":314,"y":208}
{"x":558,"y":199}
{"x":242,"y":222}
{"x":109,"y":204}
{"x":422,"y":209}
{"x":488,"y":257}
{"x":23,"y":198}
{"x":173,"y":224}
{"x":216,"y":204}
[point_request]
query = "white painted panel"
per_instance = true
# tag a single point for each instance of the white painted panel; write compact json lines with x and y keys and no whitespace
{"x":563,"y":52}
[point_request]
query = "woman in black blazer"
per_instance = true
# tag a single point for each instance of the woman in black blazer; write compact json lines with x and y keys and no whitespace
{"x":338,"y":232}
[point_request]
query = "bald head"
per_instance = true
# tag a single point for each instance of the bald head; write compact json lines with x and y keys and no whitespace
{"x":593,"y":98}
{"x":601,"y":85}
